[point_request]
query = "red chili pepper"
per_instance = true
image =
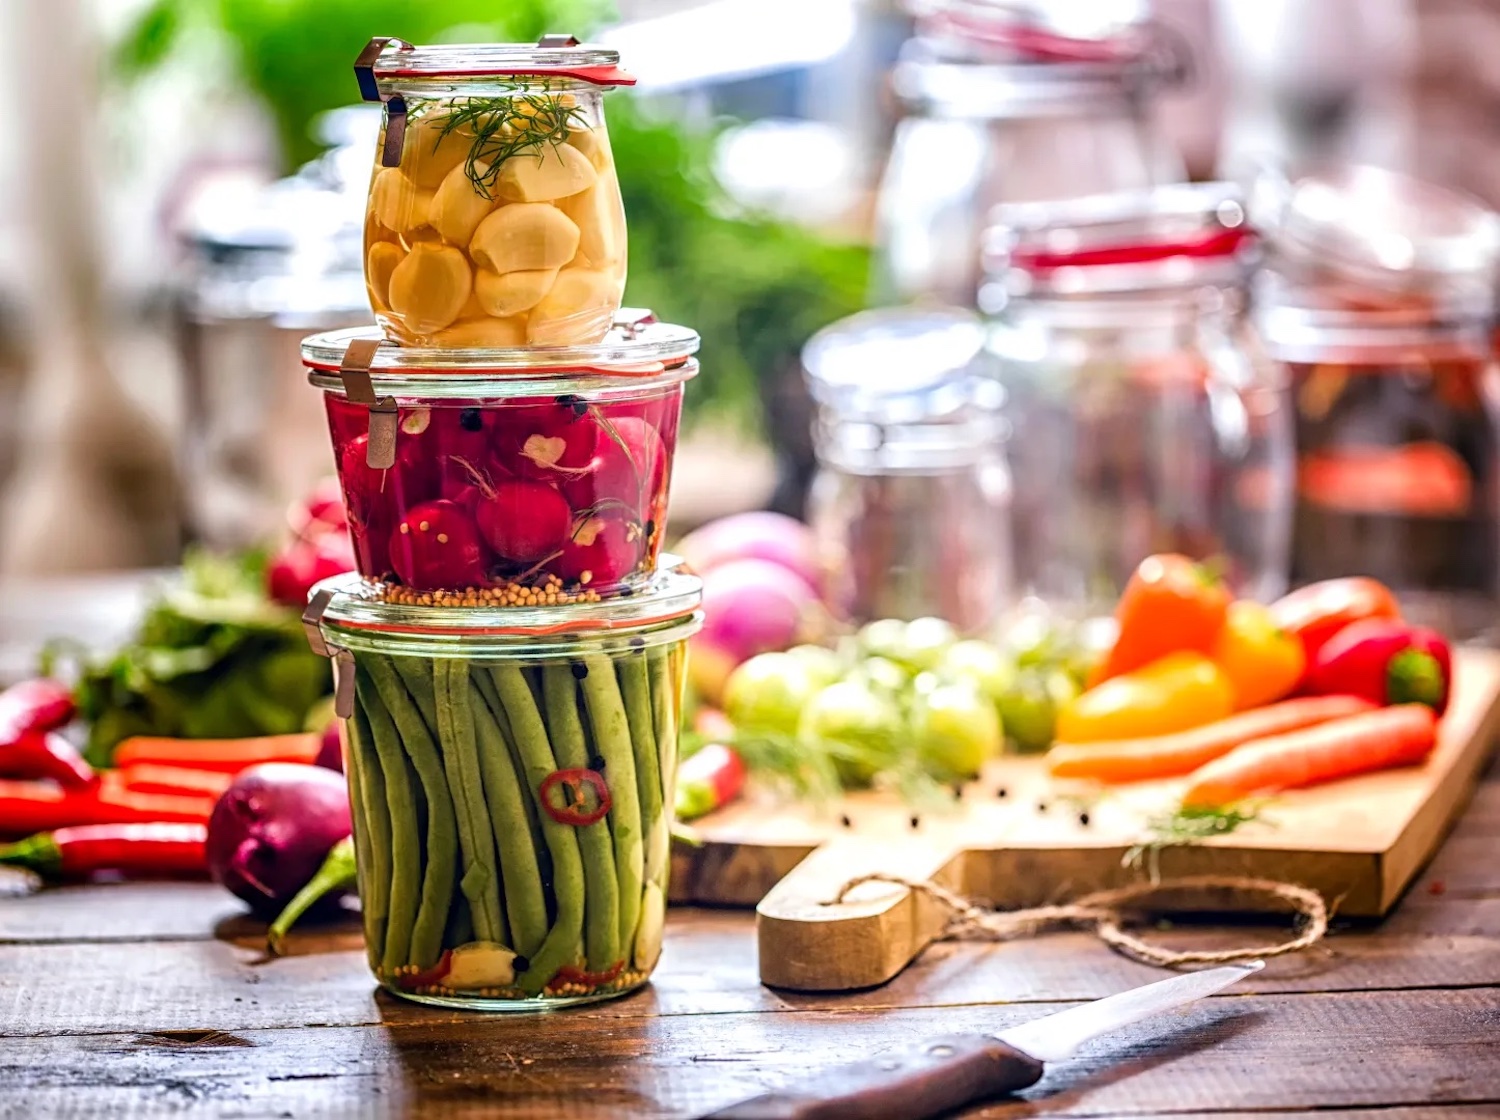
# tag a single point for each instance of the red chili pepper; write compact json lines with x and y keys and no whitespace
{"x":428,"y":976}
{"x":45,"y":754}
{"x":29,"y":807}
{"x":1385,"y":661}
{"x":39,"y":705}
{"x":132,"y":849}
{"x":568,"y":974}
{"x":711,"y":777}
{"x":564,"y":795}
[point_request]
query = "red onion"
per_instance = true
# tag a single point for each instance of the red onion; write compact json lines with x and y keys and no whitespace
{"x":749,"y":607}
{"x":760,"y":535}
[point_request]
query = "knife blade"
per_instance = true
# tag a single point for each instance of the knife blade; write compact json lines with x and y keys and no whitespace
{"x":947,"y":1073}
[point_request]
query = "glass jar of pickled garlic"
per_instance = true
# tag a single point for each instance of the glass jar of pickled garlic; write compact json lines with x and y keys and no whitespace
{"x":1136,"y":421}
{"x":1374,"y":306}
{"x":494,"y":217}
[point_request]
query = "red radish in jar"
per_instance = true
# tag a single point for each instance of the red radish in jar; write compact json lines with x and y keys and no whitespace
{"x":547,"y":441}
{"x":602,"y":550}
{"x":630,"y":468}
{"x":522,"y":520}
{"x":437,"y":545}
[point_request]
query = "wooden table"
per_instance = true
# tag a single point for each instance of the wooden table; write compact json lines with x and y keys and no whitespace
{"x":145,"y":999}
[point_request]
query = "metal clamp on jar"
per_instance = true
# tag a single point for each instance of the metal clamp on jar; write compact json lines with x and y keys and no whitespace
{"x":1136,"y":423}
{"x":1374,"y":306}
{"x":1013,"y":102}
{"x":911,"y":497}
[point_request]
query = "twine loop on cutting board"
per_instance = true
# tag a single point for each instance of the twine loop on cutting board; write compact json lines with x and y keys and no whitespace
{"x":969,"y":920}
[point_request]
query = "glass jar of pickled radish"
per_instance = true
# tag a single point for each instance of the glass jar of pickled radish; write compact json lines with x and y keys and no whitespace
{"x":1016,"y":102}
{"x":505,"y":477}
{"x":1136,"y":422}
{"x":512,"y":781}
{"x":1375,"y":306}
{"x":911,"y":499}
{"x":494,"y":218}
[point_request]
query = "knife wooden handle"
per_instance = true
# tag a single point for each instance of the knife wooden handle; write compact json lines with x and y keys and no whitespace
{"x":939,"y":1076}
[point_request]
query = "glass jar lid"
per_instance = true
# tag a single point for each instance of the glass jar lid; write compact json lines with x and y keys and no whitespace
{"x":1381,"y":229}
{"x":1025,"y":58}
{"x":1164,"y":238}
{"x":638,"y":353}
{"x":388,"y":66}
{"x":897,"y":365}
{"x":343,"y":612}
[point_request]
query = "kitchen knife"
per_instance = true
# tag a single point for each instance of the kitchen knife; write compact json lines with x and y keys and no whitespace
{"x":947,"y":1073}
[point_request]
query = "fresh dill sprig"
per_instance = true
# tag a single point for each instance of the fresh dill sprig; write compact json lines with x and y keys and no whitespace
{"x":509,"y":125}
{"x":1188,"y":825}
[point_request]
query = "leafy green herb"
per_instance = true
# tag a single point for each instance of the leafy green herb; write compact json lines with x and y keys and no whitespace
{"x":1188,"y":825}
{"x":214,"y":659}
{"x":511,"y":124}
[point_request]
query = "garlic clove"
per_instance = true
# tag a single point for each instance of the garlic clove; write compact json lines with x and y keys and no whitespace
{"x":600,"y":217}
{"x":577,"y":310}
{"x":429,"y":153}
{"x":541,"y":175}
{"x":381,"y":261}
{"x":509,"y":293}
{"x":485,"y":333}
{"x":396,"y":201}
{"x":458,"y":206}
{"x":524,"y":236}
{"x":430,"y":287}
{"x":594,"y":144}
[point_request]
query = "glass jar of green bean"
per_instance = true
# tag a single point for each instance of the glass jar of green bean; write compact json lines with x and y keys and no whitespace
{"x":511,"y":772}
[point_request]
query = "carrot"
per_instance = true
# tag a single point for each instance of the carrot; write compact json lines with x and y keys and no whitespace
{"x":148,"y":777}
{"x":1164,"y":756}
{"x":1398,"y":736}
{"x":226,"y":756}
{"x":28,"y":807}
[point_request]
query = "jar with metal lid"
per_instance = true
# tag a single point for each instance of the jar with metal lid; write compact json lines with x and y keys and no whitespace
{"x":505,"y":477}
{"x":910,"y":499}
{"x":1136,"y":423}
{"x":494,"y":218}
{"x":1013,"y":102}
{"x":512,"y":782}
{"x":1375,"y":305}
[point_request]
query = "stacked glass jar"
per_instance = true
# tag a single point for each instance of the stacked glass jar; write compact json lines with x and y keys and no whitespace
{"x":510,"y":652}
{"x":1137,"y":423}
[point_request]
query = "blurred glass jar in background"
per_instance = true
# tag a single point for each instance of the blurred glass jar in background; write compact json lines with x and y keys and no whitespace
{"x":1013,"y":102}
{"x":263,"y":272}
{"x":911,"y":497}
{"x":1136,"y":423}
{"x":1374,"y":305}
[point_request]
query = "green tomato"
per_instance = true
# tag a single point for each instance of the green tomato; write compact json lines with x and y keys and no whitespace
{"x":767,"y":693}
{"x":1028,"y":710}
{"x":982,"y":664}
{"x":927,"y":641}
{"x":885,"y":637}
{"x":859,"y":725}
{"x":956,"y":731}
{"x":1033,"y":639}
{"x":882,"y":674}
{"x":823,"y":666}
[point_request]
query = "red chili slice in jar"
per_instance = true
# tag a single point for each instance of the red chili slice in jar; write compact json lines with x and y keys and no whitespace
{"x":568,"y":974}
{"x":576,"y":797}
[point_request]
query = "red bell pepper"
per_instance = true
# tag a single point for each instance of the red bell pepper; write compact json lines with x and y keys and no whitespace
{"x":1385,"y":661}
{"x":132,"y":849}
{"x":711,"y":777}
{"x":1317,"y":612}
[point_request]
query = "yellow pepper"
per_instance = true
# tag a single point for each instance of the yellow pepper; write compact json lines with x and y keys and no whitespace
{"x":1174,"y":693}
{"x":1262,"y":661}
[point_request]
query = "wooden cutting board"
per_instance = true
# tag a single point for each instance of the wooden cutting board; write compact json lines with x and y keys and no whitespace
{"x":1017,"y":838}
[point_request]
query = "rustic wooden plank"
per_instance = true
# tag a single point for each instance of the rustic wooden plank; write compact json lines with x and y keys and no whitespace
{"x":124,"y":912}
{"x":709,"y":966}
{"x":1234,"y":1053}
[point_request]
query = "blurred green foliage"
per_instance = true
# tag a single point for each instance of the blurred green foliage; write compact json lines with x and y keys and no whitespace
{"x":754,"y":288}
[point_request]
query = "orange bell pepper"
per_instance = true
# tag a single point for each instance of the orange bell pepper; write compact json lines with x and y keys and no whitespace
{"x":1175,"y":693}
{"x":1170,"y":604}
{"x":1262,"y":661}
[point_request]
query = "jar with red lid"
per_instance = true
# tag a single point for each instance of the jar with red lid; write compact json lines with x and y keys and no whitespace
{"x":494,"y":217}
{"x":1136,"y":423}
{"x":1015,"y":102}
{"x":505,"y":477}
{"x":1374,"y":305}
